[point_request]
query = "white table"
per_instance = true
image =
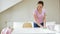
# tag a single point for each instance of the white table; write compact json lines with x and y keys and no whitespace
{"x":32,"y":31}
{"x":19,"y":30}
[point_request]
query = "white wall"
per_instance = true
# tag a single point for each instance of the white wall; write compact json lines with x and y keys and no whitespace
{"x":59,"y":5}
{"x":0,"y":23}
{"x":4,"y":17}
{"x":5,"y":4}
{"x":23,"y":11}
{"x":52,"y":8}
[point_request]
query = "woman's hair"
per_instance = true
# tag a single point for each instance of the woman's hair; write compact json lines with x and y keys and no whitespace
{"x":41,"y":2}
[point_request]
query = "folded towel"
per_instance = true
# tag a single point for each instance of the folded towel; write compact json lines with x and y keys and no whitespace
{"x":6,"y":31}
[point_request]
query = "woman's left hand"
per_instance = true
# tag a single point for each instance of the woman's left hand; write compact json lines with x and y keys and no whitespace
{"x":44,"y":27}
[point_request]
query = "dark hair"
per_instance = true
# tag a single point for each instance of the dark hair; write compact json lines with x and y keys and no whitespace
{"x":41,"y":2}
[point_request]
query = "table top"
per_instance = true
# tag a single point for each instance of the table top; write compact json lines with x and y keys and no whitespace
{"x":32,"y":30}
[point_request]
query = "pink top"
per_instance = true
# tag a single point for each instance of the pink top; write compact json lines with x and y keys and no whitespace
{"x":40,"y":16}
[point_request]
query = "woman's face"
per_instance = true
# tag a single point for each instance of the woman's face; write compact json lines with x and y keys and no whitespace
{"x":39,"y":7}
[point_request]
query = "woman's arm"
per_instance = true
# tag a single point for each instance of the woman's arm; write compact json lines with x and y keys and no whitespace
{"x":36,"y":19}
{"x":44,"y":20}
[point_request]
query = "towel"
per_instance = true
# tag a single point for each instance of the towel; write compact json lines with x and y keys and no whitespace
{"x":6,"y":31}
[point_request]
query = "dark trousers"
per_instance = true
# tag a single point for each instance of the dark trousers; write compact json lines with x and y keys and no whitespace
{"x":35,"y":25}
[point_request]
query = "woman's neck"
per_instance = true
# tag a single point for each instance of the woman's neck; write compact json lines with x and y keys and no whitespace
{"x":39,"y":11}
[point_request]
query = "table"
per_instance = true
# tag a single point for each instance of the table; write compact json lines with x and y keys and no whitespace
{"x":32,"y":31}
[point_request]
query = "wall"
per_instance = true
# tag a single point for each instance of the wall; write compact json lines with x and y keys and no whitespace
{"x":59,"y":5}
{"x":23,"y":11}
{"x":5,"y":17}
{"x":0,"y":24}
{"x":52,"y":10}
{"x":5,"y":4}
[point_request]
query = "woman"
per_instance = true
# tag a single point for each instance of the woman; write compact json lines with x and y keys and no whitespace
{"x":39,"y":15}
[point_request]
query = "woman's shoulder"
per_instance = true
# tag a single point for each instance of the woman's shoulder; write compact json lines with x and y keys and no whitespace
{"x":35,"y":11}
{"x":43,"y":10}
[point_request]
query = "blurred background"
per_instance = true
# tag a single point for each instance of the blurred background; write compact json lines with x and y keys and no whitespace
{"x":22,"y":10}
